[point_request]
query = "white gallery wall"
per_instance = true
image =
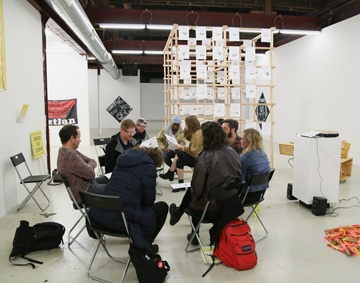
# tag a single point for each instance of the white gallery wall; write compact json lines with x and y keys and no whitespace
{"x":25,"y":85}
{"x":67,"y":79}
{"x":103,"y":90}
{"x":317,"y":84}
{"x":152,"y":101}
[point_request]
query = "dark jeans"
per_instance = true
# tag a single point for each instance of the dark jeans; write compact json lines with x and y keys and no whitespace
{"x":167,"y":157}
{"x":210,"y":216}
{"x":161,"y":211}
{"x":184,"y":159}
{"x":97,"y":185}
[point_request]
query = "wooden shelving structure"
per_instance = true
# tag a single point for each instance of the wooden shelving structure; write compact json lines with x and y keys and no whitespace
{"x":210,"y":74}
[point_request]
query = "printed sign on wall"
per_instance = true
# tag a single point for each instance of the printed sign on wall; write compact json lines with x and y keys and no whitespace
{"x":62,"y":112}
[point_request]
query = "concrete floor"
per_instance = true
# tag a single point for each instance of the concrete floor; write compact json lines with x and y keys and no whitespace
{"x":294,"y":251}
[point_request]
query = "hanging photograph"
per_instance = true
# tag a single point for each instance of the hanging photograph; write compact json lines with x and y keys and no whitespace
{"x":119,"y":109}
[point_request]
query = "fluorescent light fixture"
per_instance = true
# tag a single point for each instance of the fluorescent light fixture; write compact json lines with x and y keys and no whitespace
{"x":122,"y":26}
{"x":153,"y":52}
{"x":91,"y":58}
{"x":303,"y":32}
{"x":250,"y":30}
{"x":129,"y":52}
{"x":159,"y":27}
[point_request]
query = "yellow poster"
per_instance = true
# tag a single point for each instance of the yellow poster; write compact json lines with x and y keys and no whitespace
{"x":2,"y":50}
{"x":37,"y":147}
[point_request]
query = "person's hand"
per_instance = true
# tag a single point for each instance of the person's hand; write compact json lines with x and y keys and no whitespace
{"x":179,"y":147}
{"x":166,"y":150}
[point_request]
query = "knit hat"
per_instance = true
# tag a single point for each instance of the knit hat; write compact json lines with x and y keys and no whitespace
{"x":176,"y":119}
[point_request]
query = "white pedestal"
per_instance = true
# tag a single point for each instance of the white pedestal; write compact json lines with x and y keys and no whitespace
{"x":316,"y":168}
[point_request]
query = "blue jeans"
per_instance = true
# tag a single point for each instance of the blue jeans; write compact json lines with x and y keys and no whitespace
{"x":167,"y":157}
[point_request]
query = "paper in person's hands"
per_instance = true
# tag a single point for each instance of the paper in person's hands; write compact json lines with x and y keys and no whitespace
{"x":150,"y":143}
{"x":171,"y":141}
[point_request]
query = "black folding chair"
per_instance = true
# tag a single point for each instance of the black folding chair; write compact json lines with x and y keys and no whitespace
{"x":218,"y":193}
{"x":107,"y":203}
{"x":77,"y":205}
{"x":257,"y":179}
{"x":19,"y":159}
{"x":101,"y":143}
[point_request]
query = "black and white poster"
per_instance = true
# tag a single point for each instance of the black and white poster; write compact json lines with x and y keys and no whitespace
{"x":262,"y":111}
{"x":119,"y":109}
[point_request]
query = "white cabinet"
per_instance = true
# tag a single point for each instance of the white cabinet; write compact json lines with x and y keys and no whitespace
{"x":316,"y":168}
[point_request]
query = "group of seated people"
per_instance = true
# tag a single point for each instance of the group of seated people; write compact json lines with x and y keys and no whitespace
{"x":217,"y":154}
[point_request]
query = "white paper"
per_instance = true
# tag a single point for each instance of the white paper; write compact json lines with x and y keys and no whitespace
{"x":250,"y":53}
{"x":219,"y":43}
{"x":171,"y":141}
{"x":247,"y":43}
{"x":179,"y":186}
{"x":209,"y":93}
{"x":217,"y":33}
{"x":221,"y":93}
{"x":200,"y":33}
{"x":200,"y":110}
{"x":186,"y":110}
{"x":218,"y":53}
{"x":219,"y":110}
{"x":234,"y":53}
{"x":208,"y":110}
{"x":201,"y":91}
{"x":185,"y":71}
{"x":266,"y":128}
{"x":235,"y":93}
{"x":234,"y":34}
{"x":250,"y":91}
{"x":193,"y":110}
{"x":206,"y":42}
{"x":265,"y":35}
{"x":201,"y":71}
{"x":266,"y":73}
{"x":187,"y":81}
{"x":249,"y":62}
{"x":181,"y":113}
{"x":192,"y":41}
{"x":250,"y":72}
{"x":250,"y":125}
{"x":184,"y":52}
{"x":151,"y":143}
{"x":236,"y":81}
{"x":108,"y":175}
{"x":235,"y":110}
{"x":183,"y":33}
{"x":220,"y":77}
{"x":234,"y":72}
{"x":200,"y":52}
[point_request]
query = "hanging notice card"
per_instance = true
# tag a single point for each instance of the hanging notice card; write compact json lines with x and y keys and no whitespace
{"x":221,"y":93}
{"x":234,"y":34}
{"x":183,"y":33}
{"x":266,"y":73}
{"x":184,"y":52}
{"x":185,"y":71}
{"x":201,"y":71}
{"x":235,"y":93}
{"x":219,"y":110}
{"x":218,"y":53}
{"x":37,"y":146}
{"x":208,"y":110}
{"x":217,"y":33}
{"x":220,"y":77}
{"x":235,"y":110}
{"x":266,"y":128}
{"x":200,"y":52}
{"x":250,"y":72}
{"x":250,"y":125}
{"x":250,"y":91}
{"x":247,"y":43}
{"x":250,"y":53}
{"x":234,"y":53}
{"x":201,"y":91}
{"x":265,"y":35}
{"x":234,"y":72}
{"x":200,"y":33}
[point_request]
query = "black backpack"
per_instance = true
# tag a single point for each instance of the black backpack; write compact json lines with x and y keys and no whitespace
{"x":41,"y":236}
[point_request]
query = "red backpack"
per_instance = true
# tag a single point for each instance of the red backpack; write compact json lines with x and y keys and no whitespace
{"x":236,"y":247}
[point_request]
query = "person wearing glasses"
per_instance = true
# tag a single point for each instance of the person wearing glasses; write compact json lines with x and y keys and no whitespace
{"x":119,"y":143}
{"x":141,"y":134}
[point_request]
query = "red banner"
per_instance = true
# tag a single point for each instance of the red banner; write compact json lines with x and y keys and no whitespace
{"x":62,"y":112}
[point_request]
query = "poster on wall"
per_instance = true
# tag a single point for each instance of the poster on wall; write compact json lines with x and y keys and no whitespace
{"x":119,"y":109}
{"x":37,"y":146}
{"x":62,"y":112}
{"x":2,"y":50}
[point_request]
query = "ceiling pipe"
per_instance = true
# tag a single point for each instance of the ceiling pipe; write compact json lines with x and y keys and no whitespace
{"x":73,"y":14}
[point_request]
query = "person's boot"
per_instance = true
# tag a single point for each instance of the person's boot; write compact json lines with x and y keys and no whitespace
{"x":175,"y":214}
{"x":169,"y":175}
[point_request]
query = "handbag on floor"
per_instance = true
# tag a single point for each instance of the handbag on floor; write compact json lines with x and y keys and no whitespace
{"x":41,"y":236}
{"x":149,"y":267}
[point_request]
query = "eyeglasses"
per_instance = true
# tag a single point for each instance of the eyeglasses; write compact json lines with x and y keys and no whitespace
{"x":130,"y":133}
{"x":144,"y":127}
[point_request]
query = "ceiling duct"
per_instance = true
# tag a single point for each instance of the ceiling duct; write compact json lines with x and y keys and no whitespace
{"x":73,"y":14}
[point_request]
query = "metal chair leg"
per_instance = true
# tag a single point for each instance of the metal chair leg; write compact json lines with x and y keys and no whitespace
{"x":31,"y":195}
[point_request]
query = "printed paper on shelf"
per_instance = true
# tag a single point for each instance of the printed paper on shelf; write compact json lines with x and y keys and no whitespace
{"x":200,"y":52}
{"x":235,"y":110}
{"x":218,"y":53}
{"x":221,"y":93}
{"x":201,"y":71}
{"x":234,"y":53}
{"x":234,"y":72}
{"x":208,"y":110}
{"x":250,"y":53}
{"x":247,"y":43}
{"x":184,"y":52}
{"x":183,"y":33}
{"x":265,"y":35}
{"x":250,"y":125}
{"x":219,"y":110}
{"x":201,"y":91}
{"x":235,"y":93}
{"x":250,"y":72}
{"x":266,"y":128}
{"x":185,"y":71}
{"x":217,"y":33}
{"x":234,"y":34}
{"x":250,"y":91}
{"x":200,"y":33}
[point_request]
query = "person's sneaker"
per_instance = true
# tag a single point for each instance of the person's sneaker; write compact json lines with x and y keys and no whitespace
{"x":175,"y":214}
{"x":155,"y":248}
{"x":195,"y":241}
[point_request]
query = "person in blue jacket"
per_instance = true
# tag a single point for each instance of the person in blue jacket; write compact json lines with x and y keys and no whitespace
{"x":253,"y":160}
{"x":134,"y":180}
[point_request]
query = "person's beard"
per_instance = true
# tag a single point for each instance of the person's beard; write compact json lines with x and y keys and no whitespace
{"x":229,"y":135}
